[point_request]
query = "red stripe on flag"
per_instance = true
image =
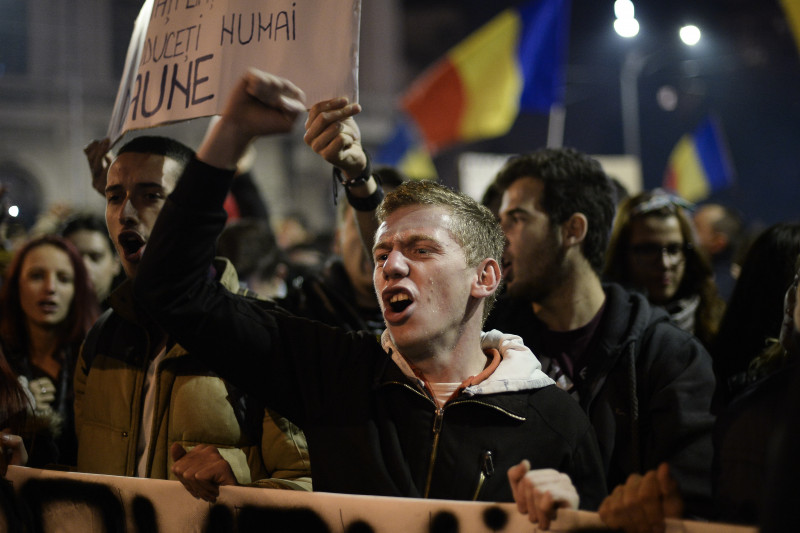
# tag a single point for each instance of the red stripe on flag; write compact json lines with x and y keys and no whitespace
{"x":670,"y":179}
{"x":437,"y":104}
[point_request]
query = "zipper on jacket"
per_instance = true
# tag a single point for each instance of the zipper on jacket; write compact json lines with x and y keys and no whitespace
{"x":437,"y":428}
{"x":487,"y":471}
{"x":490,"y":406}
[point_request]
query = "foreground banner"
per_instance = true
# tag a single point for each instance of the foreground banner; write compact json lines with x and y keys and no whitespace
{"x":185,"y":55}
{"x":87,"y":503}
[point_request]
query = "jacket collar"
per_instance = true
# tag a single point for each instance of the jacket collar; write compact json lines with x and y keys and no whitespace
{"x":626,"y":317}
{"x":519,"y":370}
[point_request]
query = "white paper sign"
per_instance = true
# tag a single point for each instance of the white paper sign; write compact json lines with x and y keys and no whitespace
{"x":186,"y":55}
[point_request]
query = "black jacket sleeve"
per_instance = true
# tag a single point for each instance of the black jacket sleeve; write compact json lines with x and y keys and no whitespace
{"x":251,"y":343}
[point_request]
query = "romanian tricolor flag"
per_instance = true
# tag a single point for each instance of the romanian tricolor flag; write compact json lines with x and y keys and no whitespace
{"x":406,"y":152}
{"x":699,"y":164}
{"x":513,"y":63}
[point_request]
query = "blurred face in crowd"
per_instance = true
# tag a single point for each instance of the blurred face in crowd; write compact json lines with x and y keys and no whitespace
{"x":99,"y":257}
{"x":656,"y":257}
{"x":790,"y":328}
{"x":796,"y":293}
{"x":46,"y":286}
{"x":355,"y":259}
{"x":708,"y":238}
{"x":137,"y":186}
{"x":534,"y":257}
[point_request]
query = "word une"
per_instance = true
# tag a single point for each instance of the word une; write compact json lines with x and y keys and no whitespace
{"x":183,"y":87}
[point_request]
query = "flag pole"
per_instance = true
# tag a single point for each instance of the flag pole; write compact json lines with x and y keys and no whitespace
{"x":555,"y":126}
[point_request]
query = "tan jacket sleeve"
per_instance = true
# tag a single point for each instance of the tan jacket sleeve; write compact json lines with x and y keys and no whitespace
{"x":285,"y":454}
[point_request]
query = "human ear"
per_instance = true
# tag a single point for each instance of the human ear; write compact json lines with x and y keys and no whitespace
{"x":487,"y":278}
{"x":575,"y":228}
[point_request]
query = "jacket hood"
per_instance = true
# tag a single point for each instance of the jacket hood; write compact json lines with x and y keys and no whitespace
{"x":627,"y":315}
{"x":519,"y":369}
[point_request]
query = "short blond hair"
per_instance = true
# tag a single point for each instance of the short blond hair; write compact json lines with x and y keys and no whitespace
{"x":474,"y":227}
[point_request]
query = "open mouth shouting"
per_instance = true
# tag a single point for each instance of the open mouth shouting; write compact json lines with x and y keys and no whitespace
{"x":396,"y":305}
{"x":132,"y":245}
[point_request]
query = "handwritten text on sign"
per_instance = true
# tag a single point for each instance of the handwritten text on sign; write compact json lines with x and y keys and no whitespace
{"x":186,"y":55}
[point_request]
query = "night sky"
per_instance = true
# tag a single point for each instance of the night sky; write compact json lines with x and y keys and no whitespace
{"x":745,"y":72}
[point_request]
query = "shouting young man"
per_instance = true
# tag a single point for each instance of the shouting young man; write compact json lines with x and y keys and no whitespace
{"x":435,"y":408}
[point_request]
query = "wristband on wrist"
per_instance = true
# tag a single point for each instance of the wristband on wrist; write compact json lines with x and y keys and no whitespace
{"x":361,"y":179}
{"x":368,"y":203}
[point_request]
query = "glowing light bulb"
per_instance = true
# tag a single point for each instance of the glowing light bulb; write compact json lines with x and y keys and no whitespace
{"x":690,"y":34}
{"x":626,"y":27}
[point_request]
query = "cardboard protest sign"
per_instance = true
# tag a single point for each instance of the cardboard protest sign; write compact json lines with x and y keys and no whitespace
{"x":186,"y":55}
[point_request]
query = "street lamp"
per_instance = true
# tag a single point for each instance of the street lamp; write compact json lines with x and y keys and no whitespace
{"x":632,"y":68}
{"x":626,"y":27}
{"x":623,"y":9}
{"x":690,"y":34}
{"x":625,"y":24}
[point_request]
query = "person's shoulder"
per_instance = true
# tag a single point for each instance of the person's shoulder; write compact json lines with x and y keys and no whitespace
{"x":643,"y":319}
{"x":624,"y":301}
{"x":551,"y":396}
{"x":558,"y":410}
{"x":102,"y":329}
{"x":770,"y":388}
{"x":663,"y":334}
{"x":512,"y":315}
{"x":100,"y":337}
{"x":664,"y":345}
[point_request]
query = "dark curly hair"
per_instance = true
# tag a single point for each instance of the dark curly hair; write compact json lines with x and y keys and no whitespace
{"x":573,"y":183}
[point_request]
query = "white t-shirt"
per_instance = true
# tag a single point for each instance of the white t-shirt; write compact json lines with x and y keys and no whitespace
{"x":148,"y":413}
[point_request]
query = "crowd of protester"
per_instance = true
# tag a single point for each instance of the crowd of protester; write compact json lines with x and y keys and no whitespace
{"x":664,"y":348}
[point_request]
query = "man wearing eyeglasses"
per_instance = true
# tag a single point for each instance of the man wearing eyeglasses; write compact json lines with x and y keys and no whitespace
{"x":645,"y":384}
{"x":653,"y":250}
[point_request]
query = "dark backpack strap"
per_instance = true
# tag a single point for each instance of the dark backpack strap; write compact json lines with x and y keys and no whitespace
{"x":92,"y":340}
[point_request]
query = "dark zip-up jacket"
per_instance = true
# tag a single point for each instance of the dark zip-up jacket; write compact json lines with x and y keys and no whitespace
{"x":370,"y":429}
{"x":647,"y":390}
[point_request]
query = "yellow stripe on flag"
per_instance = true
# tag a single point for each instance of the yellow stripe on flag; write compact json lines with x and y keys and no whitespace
{"x":418,"y":165}
{"x":487,"y":64}
{"x":792,"y":9}
{"x":684,"y":161}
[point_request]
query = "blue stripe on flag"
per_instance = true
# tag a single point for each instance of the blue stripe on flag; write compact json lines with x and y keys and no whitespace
{"x":397,"y":146}
{"x":713,"y":155}
{"x":542,"y":53}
